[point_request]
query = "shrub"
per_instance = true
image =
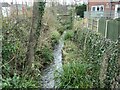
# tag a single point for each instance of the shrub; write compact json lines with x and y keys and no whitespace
{"x":15,"y":37}
{"x":9,"y":49}
{"x":75,"y":75}
{"x":18,"y":82}
{"x":93,"y":48}
{"x":55,"y":37}
{"x":69,"y":34}
{"x":60,"y":30}
{"x":46,"y":54}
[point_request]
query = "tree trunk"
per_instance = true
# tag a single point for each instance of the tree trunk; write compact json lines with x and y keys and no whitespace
{"x":34,"y":34}
{"x":0,"y":46}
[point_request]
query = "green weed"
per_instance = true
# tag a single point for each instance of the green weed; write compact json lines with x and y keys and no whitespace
{"x":75,"y":75}
{"x":55,"y":36}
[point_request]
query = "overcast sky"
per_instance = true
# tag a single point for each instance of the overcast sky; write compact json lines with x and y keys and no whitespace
{"x":20,"y":1}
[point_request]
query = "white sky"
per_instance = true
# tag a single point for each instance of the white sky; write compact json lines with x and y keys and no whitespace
{"x":20,"y":1}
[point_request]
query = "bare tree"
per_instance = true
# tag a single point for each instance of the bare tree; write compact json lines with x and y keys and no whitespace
{"x":34,"y":33}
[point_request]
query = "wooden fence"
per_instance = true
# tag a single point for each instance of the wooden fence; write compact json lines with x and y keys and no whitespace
{"x":108,"y":28}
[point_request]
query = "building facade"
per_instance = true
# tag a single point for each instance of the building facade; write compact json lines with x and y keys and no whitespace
{"x":103,"y":8}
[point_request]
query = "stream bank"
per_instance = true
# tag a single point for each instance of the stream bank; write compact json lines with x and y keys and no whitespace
{"x":48,"y":72}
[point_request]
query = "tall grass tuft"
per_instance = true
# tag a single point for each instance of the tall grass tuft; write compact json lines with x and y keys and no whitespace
{"x":75,"y":75}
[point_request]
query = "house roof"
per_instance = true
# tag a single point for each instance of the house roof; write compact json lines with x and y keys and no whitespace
{"x":5,"y":4}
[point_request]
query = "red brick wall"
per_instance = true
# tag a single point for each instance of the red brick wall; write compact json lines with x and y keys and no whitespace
{"x":102,"y":3}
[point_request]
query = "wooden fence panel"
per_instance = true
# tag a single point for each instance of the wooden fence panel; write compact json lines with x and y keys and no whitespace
{"x":102,"y":26}
{"x":108,"y":28}
{"x":112,"y":32}
{"x":95,"y":24}
{"x":119,"y":28}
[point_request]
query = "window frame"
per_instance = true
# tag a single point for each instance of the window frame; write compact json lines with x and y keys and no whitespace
{"x":96,"y":8}
{"x":118,"y":10}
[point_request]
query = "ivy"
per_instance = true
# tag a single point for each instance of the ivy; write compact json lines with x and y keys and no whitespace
{"x":93,"y":47}
{"x":40,"y":6}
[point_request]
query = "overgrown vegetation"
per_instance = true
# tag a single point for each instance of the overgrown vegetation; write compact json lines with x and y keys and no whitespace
{"x":76,"y":75}
{"x":55,"y":36}
{"x":69,"y":34}
{"x":94,"y":49}
{"x":28,"y":44}
{"x":89,"y":60}
{"x":17,"y":69}
{"x":94,"y":54}
{"x":13,"y":53}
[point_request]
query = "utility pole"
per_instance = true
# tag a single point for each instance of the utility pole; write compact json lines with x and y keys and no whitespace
{"x":16,"y":7}
{"x":88,"y":5}
{"x":110,"y":8}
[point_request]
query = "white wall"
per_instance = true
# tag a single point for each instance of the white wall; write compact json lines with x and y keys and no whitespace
{"x":116,"y":13}
{"x":5,"y":11}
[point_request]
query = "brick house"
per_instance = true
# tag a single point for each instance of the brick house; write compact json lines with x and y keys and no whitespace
{"x":103,"y":8}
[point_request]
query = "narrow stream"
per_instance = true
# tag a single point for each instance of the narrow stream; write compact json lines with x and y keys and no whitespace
{"x":48,"y":73}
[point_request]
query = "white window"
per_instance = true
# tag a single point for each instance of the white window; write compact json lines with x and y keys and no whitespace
{"x":93,"y":8}
{"x":102,"y":8}
{"x":118,"y":10}
{"x":97,"y":8}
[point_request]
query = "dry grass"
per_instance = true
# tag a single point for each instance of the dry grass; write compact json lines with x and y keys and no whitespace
{"x":79,"y":24}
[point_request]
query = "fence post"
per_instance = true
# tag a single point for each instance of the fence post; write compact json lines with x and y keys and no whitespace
{"x":92,"y":24}
{"x":106,"y":28}
{"x":97,"y":24}
{"x":87,"y":22}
